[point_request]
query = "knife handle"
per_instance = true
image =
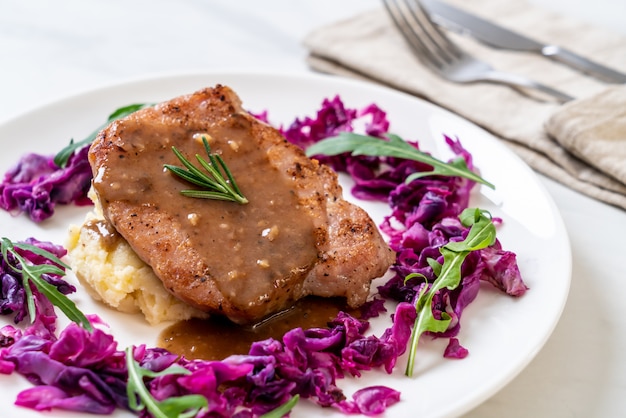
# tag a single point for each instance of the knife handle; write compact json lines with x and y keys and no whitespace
{"x":583,"y":64}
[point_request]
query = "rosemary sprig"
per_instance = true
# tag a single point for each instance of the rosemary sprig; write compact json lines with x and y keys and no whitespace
{"x":394,"y":147}
{"x":218,"y":182}
{"x":62,"y":157}
{"x":32,"y":273}
{"x":482,"y":234}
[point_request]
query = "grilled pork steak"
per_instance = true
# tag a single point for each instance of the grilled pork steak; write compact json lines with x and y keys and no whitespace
{"x":295,"y":237}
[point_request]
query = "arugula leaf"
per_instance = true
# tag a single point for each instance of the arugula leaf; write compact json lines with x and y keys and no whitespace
{"x":34,"y":273}
{"x":482,"y":234}
{"x":140,"y":398}
{"x":62,"y":157}
{"x":282,"y":409}
{"x":187,"y":406}
{"x":395,"y":147}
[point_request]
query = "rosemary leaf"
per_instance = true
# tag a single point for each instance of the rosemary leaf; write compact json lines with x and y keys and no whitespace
{"x":217,"y":182}
{"x":203,"y":194}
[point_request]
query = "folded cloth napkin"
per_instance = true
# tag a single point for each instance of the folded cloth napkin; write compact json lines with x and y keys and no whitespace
{"x":577,"y":144}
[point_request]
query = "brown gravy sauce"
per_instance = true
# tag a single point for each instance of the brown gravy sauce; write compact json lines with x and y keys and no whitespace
{"x":255,"y":252}
{"x":104,"y":232}
{"x":217,"y":338}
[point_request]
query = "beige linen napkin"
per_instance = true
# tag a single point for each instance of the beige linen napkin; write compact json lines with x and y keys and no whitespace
{"x":588,"y":153}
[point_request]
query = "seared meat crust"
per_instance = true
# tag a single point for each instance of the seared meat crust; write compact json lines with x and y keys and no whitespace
{"x":296,"y":237}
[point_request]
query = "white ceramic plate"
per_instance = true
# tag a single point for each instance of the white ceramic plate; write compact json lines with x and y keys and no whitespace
{"x":502,"y":334}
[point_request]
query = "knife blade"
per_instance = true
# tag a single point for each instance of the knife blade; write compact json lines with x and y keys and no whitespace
{"x":465,"y":23}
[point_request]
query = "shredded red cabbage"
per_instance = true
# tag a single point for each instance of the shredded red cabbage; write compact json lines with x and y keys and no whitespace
{"x":86,"y":372}
{"x":35,"y":185}
{"x":424,"y":212}
{"x":82,"y":371}
{"x":78,"y":371}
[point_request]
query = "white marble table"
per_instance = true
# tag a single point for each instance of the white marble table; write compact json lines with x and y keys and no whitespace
{"x":51,"y":49}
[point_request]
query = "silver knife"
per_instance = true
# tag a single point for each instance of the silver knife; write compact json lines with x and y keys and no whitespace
{"x":465,"y":23}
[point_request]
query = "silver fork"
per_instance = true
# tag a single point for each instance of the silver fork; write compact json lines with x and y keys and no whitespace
{"x":444,"y":57}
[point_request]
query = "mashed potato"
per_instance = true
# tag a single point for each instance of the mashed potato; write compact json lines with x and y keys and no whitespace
{"x":115,"y":275}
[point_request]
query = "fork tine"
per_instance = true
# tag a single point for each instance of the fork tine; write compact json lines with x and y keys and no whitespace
{"x":447,"y":49}
{"x":420,"y":33}
{"x":402,"y":23}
